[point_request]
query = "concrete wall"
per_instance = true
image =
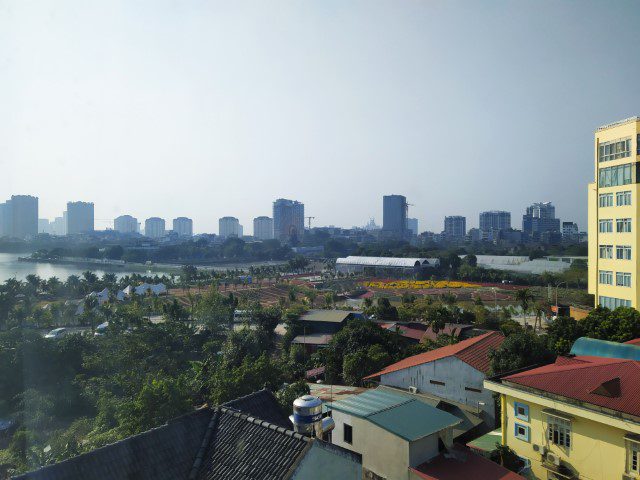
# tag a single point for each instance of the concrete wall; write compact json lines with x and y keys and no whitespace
{"x":322,"y":463}
{"x":383,"y":453}
{"x":455,"y":374}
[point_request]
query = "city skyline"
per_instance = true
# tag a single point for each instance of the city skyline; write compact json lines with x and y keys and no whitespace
{"x":387,"y":113}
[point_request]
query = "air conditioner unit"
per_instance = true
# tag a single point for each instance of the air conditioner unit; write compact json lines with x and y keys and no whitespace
{"x":541,"y":449}
{"x":553,"y":458}
{"x":413,"y":389}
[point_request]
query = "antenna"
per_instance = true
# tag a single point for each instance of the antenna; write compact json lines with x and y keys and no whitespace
{"x":309,"y":218}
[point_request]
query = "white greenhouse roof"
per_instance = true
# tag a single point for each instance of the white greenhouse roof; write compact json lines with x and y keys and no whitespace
{"x":386,"y":261}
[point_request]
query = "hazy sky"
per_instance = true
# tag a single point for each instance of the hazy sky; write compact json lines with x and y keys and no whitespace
{"x":206,"y":109}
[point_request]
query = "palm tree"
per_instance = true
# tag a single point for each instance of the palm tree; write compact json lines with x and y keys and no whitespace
{"x":525,"y":297}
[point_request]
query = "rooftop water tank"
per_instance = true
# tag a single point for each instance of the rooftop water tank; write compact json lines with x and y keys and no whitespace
{"x":307,"y":416}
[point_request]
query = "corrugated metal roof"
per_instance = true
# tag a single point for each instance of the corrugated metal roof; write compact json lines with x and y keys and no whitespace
{"x":581,"y":381}
{"x":473,"y":351}
{"x":334,"y":316}
{"x":601,"y":348}
{"x":405,"y":417}
{"x":386,"y":261}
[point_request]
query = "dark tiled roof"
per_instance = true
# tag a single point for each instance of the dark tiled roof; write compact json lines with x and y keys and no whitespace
{"x":166,"y":452}
{"x":245,"y":448}
{"x":261,"y":404}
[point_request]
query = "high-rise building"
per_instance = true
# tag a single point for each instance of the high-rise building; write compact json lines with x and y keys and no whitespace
{"x":412,"y":226}
{"x":455,"y":226}
{"x":125,"y":224}
{"x":23,"y":215}
{"x":6,"y":219}
{"x":492,"y":223}
{"x":570,"y":231}
{"x":229,"y":227}
{"x":154,"y":227}
{"x":540,"y":218}
{"x":263,"y":228}
{"x":44,"y":226}
{"x":59,"y":226}
{"x":80,"y":217}
{"x":614,"y":236}
{"x":183,"y":226}
{"x":394,"y":214}
{"x":288,"y":220}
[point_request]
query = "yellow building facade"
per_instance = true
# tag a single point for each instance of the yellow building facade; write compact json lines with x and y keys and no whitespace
{"x":614,"y":210}
{"x":565,"y":440}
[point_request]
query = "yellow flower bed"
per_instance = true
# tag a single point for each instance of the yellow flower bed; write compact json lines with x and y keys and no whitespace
{"x":418,"y":284}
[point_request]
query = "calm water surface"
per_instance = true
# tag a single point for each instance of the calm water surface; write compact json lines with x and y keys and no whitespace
{"x":10,"y":267}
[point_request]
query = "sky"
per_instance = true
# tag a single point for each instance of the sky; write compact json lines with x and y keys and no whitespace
{"x":204,"y":109}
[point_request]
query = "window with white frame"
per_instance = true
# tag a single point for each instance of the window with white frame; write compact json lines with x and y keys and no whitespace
{"x":623,"y":198}
{"x":633,"y":456}
{"x":605,"y":225}
{"x":614,"y":176}
{"x":623,"y":252}
{"x":605,"y":277}
{"x":623,"y":279}
{"x":612,"y":303}
{"x":614,"y":150}
{"x":606,"y":200}
{"x":559,"y":431}
{"x":623,"y":225}
{"x":606,"y":251}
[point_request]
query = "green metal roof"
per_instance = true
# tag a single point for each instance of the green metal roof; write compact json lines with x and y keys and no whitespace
{"x":405,"y":417}
{"x":602,"y":348}
{"x":333,"y":316}
{"x":487,"y":442}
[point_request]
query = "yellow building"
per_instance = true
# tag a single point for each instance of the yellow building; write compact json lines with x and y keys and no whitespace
{"x":613,"y":215}
{"x":578,"y":418}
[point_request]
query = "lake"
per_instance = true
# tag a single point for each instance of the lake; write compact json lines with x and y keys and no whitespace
{"x":10,"y":267}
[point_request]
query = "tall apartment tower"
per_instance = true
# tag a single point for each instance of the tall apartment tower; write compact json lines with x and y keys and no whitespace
{"x":229,"y":227}
{"x":613,"y":215}
{"x":263,"y":228}
{"x":288,"y":220}
{"x":154,"y":227}
{"x":183,"y":226}
{"x":80,"y":217}
{"x":125,"y":224}
{"x":394,"y":214}
{"x":539,"y":218}
{"x":455,"y":226}
{"x":22,"y":216}
{"x":412,"y":226}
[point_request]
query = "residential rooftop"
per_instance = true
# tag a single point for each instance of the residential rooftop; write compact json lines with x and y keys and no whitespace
{"x":618,"y":123}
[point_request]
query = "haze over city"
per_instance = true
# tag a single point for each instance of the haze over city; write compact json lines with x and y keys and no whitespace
{"x":210,"y":109}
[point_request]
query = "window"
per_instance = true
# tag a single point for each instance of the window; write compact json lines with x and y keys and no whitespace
{"x":436,"y":382}
{"x":613,"y":303}
{"x":623,"y":252}
{"x":521,"y":432}
{"x":606,"y":251}
{"x":614,"y":176}
{"x":623,"y":198}
{"x":623,"y":225}
{"x":471,"y":389}
{"x":623,"y":279}
{"x":606,"y":199}
{"x":559,"y":431}
{"x":613,"y":150}
{"x":605,"y":277}
{"x":348,"y":434}
{"x":633,"y":456}
{"x":521,"y":411}
{"x":605,"y":226}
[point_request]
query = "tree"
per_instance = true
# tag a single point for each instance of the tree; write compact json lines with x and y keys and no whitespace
{"x":524,"y":297}
{"x":386,"y":311}
{"x":520,"y":350}
{"x":562,"y":332}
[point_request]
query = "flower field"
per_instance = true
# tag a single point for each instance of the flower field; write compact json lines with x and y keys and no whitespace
{"x":417,"y":284}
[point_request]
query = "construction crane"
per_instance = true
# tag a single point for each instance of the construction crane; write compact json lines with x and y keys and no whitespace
{"x":309,"y":218}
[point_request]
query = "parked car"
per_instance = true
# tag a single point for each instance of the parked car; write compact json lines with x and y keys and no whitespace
{"x":56,"y":333}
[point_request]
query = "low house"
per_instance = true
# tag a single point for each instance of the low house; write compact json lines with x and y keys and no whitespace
{"x":576,"y":418}
{"x":392,"y":432}
{"x":459,"y":331}
{"x":213,"y":443}
{"x":319,"y":326}
{"x":455,"y":372}
{"x":411,"y":332}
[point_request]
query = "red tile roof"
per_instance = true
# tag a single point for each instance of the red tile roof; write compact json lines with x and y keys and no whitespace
{"x":461,"y":463}
{"x":635,"y":341}
{"x":474,"y":351}
{"x":582,"y":379}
